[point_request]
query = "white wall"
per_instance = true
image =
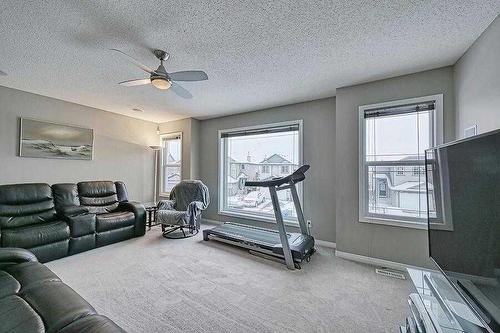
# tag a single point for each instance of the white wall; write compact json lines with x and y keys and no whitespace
{"x":477,"y":83}
{"x":121,"y":143}
{"x":397,"y":244}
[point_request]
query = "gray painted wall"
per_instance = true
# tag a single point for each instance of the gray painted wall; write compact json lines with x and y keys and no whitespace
{"x":397,"y":244}
{"x":477,"y":83}
{"x":190,"y":129}
{"x":120,"y":145}
{"x":319,"y":151}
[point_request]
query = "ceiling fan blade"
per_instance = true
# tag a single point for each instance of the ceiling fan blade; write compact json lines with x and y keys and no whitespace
{"x":179,"y":90}
{"x":145,"y":68}
{"x":188,"y":76}
{"x":135,"y":82}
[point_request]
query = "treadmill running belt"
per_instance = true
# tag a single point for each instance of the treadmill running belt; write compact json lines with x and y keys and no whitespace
{"x":268,"y":237}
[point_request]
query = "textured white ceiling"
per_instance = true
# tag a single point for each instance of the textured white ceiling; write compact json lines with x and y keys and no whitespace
{"x":257,"y":54}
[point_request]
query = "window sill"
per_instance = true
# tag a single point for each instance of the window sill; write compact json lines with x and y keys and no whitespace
{"x":393,"y":223}
{"x":257,"y":218}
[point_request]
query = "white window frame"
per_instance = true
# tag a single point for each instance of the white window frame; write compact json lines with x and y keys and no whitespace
{"x":437,"y":122}
{"x":221,"y":166}
{"x":162,"y":166}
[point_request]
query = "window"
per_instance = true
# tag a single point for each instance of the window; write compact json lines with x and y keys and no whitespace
{"x":382,"y":189}
{"x":393,"y":140}
{"x":263,"y":150}
{"x":285,"y":170}
{"x":418,"y":170}
{"x":171,"y":162}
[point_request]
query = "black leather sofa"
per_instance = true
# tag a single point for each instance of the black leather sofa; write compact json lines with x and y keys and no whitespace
{"x":34,"y":299}
{"x":64,"y":219}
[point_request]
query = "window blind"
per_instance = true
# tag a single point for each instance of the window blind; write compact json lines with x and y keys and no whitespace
{"x":171,"y":137}
{"x":267,"y":130}
{"x":400,"y":109}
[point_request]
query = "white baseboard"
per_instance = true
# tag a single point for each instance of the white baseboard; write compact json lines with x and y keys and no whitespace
{"x":374,"y":261}
{"x":323,"y":243}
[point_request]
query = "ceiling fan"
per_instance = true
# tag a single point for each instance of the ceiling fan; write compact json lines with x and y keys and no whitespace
{"x":160,"y":78}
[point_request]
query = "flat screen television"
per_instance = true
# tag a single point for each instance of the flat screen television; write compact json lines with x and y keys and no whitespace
{"x":463,"y":193}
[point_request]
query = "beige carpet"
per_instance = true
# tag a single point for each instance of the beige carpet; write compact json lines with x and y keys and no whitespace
{"x":152,"y":284}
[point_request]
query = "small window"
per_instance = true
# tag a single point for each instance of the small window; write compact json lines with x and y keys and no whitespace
{"x":265,"y":169}
{"x":285,"y":169}
{"x":393,"y":140}
{"x":171,"y":162}
{"x":382,"y":189}
{"x":418,"y":171}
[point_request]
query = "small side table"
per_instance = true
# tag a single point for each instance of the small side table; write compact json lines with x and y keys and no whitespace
{"x":151,"y":216}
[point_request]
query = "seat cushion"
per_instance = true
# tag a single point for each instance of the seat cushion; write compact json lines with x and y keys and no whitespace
{"x":114,"y":220}
{"x":35,"y":235}
{"x":17,"y":316}
{"x":172,"y":217}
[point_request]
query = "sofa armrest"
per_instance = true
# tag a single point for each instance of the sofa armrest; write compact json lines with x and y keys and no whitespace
{"x":140,"y":215}
{"x":68,"y":211}
{"x":15,"y":255}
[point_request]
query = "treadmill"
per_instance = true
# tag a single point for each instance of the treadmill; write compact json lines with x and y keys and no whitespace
{"x":292,"y":248}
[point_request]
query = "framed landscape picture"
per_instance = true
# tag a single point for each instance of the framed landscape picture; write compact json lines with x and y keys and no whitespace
{"x":50,"y":140}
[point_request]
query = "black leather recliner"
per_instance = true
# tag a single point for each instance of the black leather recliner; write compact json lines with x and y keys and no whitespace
{"x":33,"y":299}
{"x":65,"y":219}
{"x":117,"y":219}
{"x":28,"y":219}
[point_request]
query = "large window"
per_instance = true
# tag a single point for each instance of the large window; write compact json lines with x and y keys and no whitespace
{"x":393,"y":140}
{"x":257,"y":153}
{"x":171,"y":161}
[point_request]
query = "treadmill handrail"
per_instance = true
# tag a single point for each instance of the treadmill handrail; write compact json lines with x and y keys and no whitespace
{"x":295,"y":177}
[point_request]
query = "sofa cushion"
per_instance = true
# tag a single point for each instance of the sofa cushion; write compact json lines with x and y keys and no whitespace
{"x":115,"y":220}
{"x":56,"y":303}
{"x":121,"y":191}
{"x":16,"y":315}
{"x":65,"y":195}
{"x":8,"y":285}
{"x":96,"y":189}
{"x":36,"y":235}
{"x":30,"y":273}
{"x":20,"y":194}
{"x":52,"y":251}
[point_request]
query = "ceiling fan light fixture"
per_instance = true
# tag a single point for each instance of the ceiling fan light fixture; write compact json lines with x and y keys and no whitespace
{"x":161,"y":83}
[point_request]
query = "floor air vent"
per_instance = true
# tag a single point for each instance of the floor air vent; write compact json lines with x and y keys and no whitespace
{"x":390,"y":273}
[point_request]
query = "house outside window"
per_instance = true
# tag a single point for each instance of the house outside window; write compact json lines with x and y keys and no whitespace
{"x":382,"y":189}
{"x":418,"y":170}
{"x":171,"y":162}
{"x":393,"y":139}
{"x":265,"y":152}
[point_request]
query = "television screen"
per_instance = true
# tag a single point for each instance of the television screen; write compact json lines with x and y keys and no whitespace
{"x":463,"y":187}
